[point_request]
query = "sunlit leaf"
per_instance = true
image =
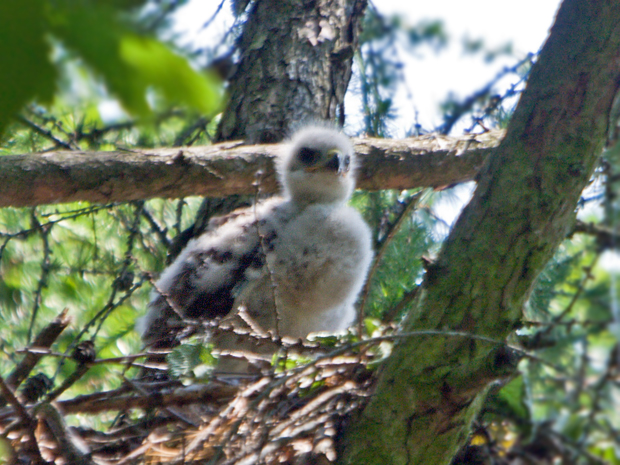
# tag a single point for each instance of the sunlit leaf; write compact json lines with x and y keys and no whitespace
{"x":26,"y":71}
{"x":514,"y":396}
{"x":99,"y":33}
{"x":131,"y":64}
{"x":154,"y":64}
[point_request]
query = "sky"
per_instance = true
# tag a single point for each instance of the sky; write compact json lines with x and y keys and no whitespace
{"x":431,"y":76}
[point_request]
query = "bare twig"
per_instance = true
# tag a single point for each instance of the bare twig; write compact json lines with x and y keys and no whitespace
{"x":261,"y":238}
{"x":408,"y":297}
{"x":179,"y":415}
{"x":27,"y":421}
{"x":466,"y":106}
{"x":45,"y":269}
{"x":182,"y":139}
{"x":605,"y":237}
{"x":156,"y":228}
{"x":44,"y":132}
{"x":213,"y":392}
{"x":208,"y":22}
{"x":44,"y":339}
{"x":102,"y":361}
{"x":63,"y":436}
{"x":68,"y":382}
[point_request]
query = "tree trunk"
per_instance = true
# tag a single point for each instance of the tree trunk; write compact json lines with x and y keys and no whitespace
{"x":294,"y":67}
{"x":432,"y":387}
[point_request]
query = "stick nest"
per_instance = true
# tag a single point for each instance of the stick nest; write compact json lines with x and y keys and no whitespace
{"x":294,"y":416}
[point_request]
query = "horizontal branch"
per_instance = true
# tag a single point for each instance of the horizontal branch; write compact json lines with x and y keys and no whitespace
{"x":605,"y":237}
{"x":224,"y":169}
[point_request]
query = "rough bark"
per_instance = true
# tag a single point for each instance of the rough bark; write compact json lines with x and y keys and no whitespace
{"x":225,"y":169}
{"x":295,"y":59}
{"x":432,"y":387}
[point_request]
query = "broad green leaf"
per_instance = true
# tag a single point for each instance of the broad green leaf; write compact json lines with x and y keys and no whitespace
{"x":153,"y":63}
{"x":26,"y":72}
{"x":100,"y":34}
{"x":513,"y":396}
{"x":130,"y":64}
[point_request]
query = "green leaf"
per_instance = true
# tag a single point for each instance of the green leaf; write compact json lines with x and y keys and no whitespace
{"x":574,"y":425}
{"x":154,"y":64}
{"x":131,"y":64}
{"x":371,"y":325}
{"x":26,"y":72}
{"x":514,"y":397}
{"x":103,"y":37}
{"x":607,"y":453}
{"x":511,"y":402}
{"x":291,"y":361}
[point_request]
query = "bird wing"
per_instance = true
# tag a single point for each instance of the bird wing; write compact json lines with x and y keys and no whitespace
{"x":204,"y":279}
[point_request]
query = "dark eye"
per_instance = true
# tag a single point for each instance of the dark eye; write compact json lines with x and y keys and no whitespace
{"x":309,"y":156}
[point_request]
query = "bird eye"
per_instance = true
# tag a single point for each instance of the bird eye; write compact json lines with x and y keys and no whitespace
{"x":309,"y":156}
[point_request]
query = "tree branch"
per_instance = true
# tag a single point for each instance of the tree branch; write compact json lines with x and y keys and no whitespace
{"x":224,"y":169}
{"x":44,"y":132}
{"x":606,"y":238}
{"x":44,"y":340}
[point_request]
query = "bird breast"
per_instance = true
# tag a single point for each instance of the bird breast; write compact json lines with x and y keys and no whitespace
{"x":318,"y":259}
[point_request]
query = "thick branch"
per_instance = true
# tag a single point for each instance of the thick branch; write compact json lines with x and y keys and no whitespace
{"x":224,"y":169}
{"x":524,"y":205}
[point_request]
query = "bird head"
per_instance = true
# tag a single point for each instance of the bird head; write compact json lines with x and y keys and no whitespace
{"x":317,"y":166}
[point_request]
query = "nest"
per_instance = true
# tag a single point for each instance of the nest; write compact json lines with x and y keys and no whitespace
{"x":293,"y":415}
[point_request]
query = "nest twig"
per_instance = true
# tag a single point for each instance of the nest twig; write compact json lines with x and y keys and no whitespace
{"x":289,"y":415}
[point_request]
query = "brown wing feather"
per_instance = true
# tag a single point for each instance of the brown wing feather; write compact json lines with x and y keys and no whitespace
{"x":201,"y":283}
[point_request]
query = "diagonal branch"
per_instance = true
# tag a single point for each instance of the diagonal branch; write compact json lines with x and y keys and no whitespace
{"x":430,"y":391}
{"x":44,"y":340}
{"x":44,"y":132}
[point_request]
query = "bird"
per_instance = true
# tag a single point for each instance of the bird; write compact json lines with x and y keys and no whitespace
{"x":293,"y":264}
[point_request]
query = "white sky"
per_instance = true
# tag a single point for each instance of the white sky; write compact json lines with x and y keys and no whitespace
{"x":432,"y":76}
